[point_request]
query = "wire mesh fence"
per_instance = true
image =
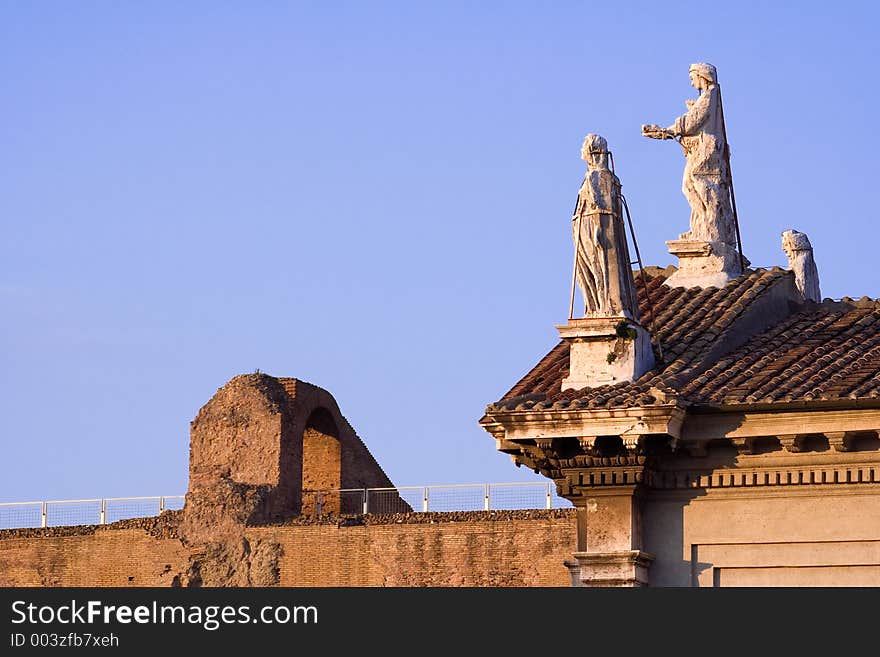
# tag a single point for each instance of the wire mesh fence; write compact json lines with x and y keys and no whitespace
{"x":455,"y":497}
{"x":525,"y":496}
{"x":143,"y":507}
{"x":21,"y":514}
{"x":59,"y":513}
{"x":395,"y":500}
{"x":353,"y":501}
{"x":174,"y":502}
{"x":73,"y":512}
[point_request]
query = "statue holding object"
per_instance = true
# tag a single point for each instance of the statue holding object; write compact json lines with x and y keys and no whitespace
{"x":710,"y":246}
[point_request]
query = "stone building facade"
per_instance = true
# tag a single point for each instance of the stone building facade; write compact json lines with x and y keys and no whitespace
{"x":749,"y":455}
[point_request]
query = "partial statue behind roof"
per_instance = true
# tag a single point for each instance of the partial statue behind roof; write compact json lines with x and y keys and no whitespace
{"x":602,"y":261}
{"x":800,"y":260}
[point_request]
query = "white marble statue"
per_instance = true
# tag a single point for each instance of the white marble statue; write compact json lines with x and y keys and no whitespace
{"x":706,"y":181}
{"x":602,"y":262}
{"x":800,"y":260}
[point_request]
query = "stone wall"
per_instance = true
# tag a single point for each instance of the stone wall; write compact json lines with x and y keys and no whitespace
{"x":322,"y":454}
{"x":282,"y":434}
{"x":809,"y":535}
{"x":139,"y":552}
{"x":497,"y":548}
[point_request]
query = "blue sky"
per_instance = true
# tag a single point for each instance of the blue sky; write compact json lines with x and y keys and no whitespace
{"x":373,"y":197}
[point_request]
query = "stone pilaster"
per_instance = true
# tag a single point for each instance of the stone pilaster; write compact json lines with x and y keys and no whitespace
{"x":610,"y":539}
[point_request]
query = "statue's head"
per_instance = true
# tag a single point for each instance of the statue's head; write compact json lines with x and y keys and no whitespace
{"x":595,"y":151}
{"x":703,"y":72}
{"x":793,"y":241}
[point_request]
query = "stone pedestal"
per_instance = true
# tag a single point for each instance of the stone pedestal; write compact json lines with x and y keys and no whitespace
{"x":704,"y":264}
{"x":605,"y":350}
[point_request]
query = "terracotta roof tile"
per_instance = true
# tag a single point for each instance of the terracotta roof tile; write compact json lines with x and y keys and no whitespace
{"x":821,"y":352}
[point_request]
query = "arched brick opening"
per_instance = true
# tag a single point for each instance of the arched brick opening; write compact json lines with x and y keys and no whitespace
{"x":321,"y":463}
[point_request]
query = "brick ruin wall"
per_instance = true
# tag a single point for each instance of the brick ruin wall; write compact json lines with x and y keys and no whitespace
{"x":261,"y":450}
{"x":496,"y":548}
{"x":282,"y":434}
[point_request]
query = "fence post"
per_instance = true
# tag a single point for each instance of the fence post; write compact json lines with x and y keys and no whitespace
{"x":366,"y":495}
{"x":44,"y":514}
{"x":425,"y":501}
{"x":486,"y":503}
{"x":103,"y":518}
{"x":550,"y":496}
{"x":161,"y":505}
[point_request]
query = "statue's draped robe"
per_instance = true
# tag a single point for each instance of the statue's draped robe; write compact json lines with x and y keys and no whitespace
{"x":806,"y":274}
{"x":706,"y":178}
{"x":602,"y":267}
{"x":800,"y":260}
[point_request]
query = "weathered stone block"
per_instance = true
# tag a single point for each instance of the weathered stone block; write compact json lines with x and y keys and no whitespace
{"x":605,"y":350}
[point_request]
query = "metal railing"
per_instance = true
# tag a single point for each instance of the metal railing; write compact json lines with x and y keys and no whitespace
{"x":402,"y":499}
{"x":57,"y":513}
{"x":452,"y":497}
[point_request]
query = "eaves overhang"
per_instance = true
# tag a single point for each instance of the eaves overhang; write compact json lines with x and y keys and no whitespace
{"x":665,"y":419}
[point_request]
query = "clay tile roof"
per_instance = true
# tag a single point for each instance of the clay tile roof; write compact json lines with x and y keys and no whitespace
{"x":827,"y":351}
{"x":820,"y":353}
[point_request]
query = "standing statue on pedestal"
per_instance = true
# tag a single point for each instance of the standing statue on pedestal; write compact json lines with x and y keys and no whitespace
{"x":708,"y":251}
{"x":602,"y":264}
{"x":608,"y":344}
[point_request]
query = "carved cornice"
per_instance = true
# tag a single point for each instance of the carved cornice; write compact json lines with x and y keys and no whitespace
{"x":792,"y":443}
{"x":672,"y":420}
{"x":636,"y":421}
{"x":577,"y":483}
{"x":605,"y":476}
{"x":749,"y":424}
{"x":849,"y":473}
{"x":841,"y":441}
{"x":629,"y":459}
{"x":581,"y":454}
